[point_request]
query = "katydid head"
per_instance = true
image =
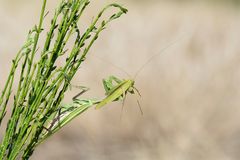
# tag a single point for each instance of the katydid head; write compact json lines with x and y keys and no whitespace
{"x":132,"y":88}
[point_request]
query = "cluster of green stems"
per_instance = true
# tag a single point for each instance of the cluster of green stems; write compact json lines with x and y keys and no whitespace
{"x":42,"y":83}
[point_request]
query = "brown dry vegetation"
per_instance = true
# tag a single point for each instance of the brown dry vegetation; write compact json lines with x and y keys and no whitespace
{"x":190,"y":94}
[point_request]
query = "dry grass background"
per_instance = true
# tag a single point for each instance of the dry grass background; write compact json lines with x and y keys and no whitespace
{"x":190,"y":94}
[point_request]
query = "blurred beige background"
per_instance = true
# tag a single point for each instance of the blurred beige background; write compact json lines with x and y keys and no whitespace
{"x":190,"y":93}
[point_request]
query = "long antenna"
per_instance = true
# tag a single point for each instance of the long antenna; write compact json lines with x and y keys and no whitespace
{"x":147,"y":62}
{"x":105,"y":61}
{"x":157,"y":54}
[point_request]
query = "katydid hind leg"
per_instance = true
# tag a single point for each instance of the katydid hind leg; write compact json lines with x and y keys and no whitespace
{"x":106,"y":86}
{"x":117,"y":80}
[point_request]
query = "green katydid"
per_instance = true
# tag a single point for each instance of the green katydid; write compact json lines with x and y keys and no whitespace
{"x":120,"y":89}
{"x":117,"y":91}
{"x":112,"y":83}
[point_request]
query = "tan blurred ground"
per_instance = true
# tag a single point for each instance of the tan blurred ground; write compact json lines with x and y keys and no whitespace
{"x":190,"y":94}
